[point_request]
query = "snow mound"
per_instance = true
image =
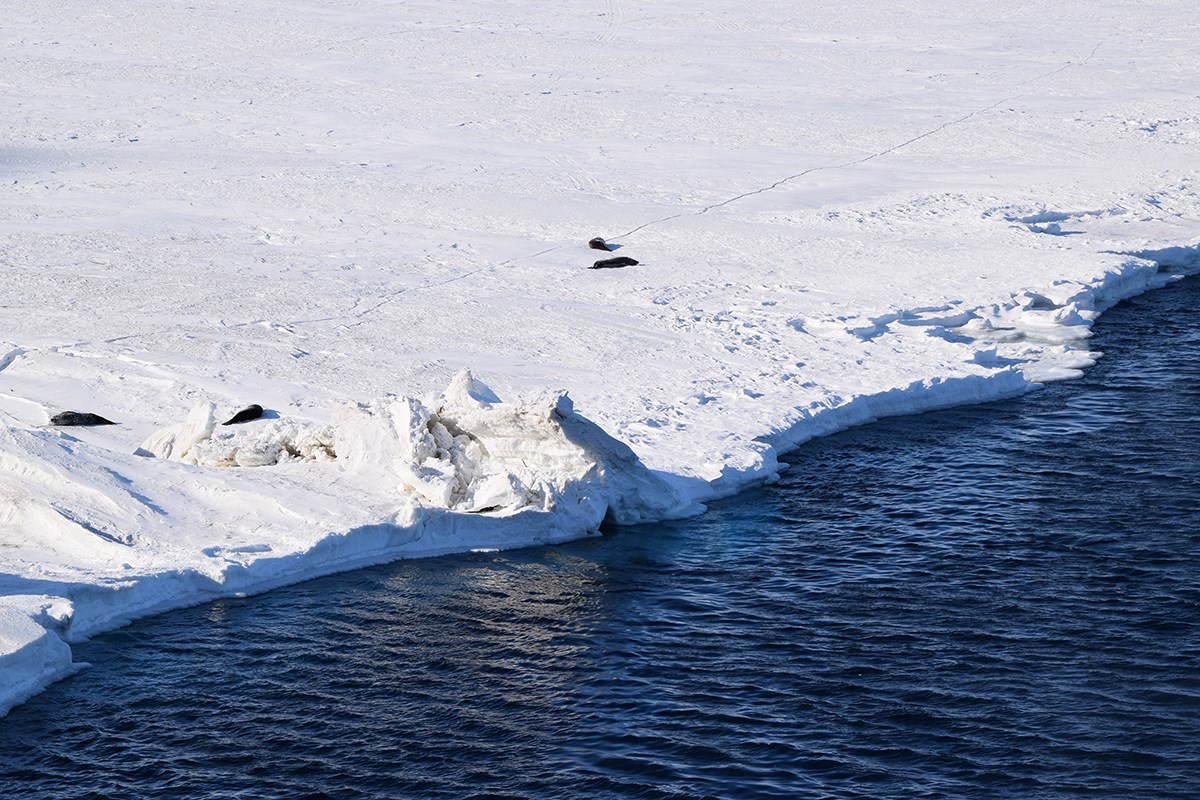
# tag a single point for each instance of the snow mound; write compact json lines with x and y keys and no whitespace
{"x":53,"y":501}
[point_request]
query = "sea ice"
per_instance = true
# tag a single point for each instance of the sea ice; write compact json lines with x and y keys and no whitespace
{"x":841,"y":211}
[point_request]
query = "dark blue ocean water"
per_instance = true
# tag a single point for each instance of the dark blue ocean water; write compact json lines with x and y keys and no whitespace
{"x":997,"y":601}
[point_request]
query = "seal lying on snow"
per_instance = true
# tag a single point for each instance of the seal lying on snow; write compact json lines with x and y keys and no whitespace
{"x":80,"y":418}
{"x":245,"y":415}
{"x":600,"y":244}
{"x":612,"y":263}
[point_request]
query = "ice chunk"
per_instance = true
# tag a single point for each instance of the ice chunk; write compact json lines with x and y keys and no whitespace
{"x":466,"y":387}
{"x":474,"y":452}
{"x":31,"y":656}
{"x":177,"y":441}
{"x":277,"y":442}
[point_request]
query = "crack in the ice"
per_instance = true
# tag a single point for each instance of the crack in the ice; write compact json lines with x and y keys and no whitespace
{"x":873,"y":156}
{"x":360,"y":316}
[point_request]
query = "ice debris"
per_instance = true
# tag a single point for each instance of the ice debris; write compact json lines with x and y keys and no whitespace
{"x":464,"y":450}
{"x":196,"y":441}
{"x":468,"y":451}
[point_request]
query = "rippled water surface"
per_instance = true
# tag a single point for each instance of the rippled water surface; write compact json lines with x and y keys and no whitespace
{"x":998,"y":601}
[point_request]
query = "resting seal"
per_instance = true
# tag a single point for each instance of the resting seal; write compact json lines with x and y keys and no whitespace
{"x":599,"y":244}
{"x":612,"y":263}
{"x":80,"y":418}
{"x":245,"y":415}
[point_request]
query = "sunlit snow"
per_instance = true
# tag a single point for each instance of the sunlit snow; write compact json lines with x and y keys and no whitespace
{"x":334,"y":208}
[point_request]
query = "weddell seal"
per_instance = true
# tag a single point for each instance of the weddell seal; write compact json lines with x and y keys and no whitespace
{"x":613,"y":263}
{"x":245,"y":415}
{"x":78,"y":418}
{"x":600,"y":244}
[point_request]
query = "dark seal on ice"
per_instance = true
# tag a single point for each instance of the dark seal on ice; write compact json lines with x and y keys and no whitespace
{"x":613,"y":263}
{"x":599,"y":244}
{"x":79,"y":418}
{"x":245,"y":415}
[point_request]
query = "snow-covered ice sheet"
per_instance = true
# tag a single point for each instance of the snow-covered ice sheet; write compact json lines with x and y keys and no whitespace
{"x":332,"y":207}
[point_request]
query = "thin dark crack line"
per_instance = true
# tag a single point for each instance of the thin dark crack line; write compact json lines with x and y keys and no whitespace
{"x":360,"y":316}
{"x":873,"y":156}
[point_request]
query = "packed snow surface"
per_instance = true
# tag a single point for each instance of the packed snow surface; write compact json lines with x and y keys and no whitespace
{"x":335,"y":208}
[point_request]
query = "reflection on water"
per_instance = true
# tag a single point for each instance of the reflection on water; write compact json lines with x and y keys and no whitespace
{"x":998,"y":601}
